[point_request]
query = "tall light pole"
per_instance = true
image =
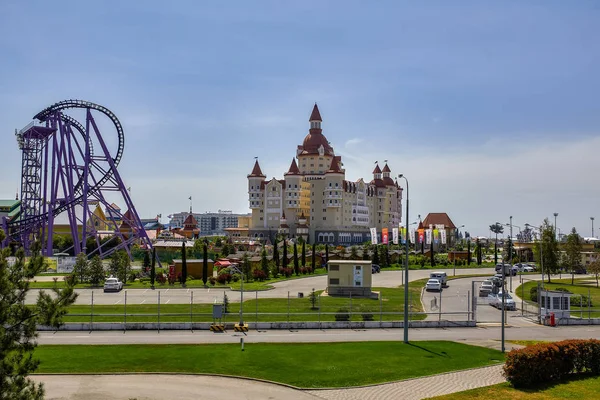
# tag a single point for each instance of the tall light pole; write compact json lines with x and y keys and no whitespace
{"x":555,"y":231}
{"x":527,"y":226}
{"x":406,"y":283}
{"x":242,"y":294}
{"x":592,"y":218}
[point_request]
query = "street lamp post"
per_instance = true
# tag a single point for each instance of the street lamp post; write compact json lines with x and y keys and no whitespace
{"x":541,"y":249}
{"x":555,"y":231}
{"x":406,"y":283}
{"x":592,"y":218}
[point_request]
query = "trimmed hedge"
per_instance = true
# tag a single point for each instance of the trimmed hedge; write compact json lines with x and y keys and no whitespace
{"x":550,"y":362}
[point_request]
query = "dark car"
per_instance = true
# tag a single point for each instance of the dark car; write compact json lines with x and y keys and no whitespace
{"x":375,"y":268}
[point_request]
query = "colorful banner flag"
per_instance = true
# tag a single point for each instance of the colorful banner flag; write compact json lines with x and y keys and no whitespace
{"x":443,"y":236}
{"x":436,"y":238}
{"x":373,"y":235}
{"x":403,"y":235}
{"x":412,"y":236}
{"x":421,"y":235}
{"x":384,"y":236}
{"x":395,"y":235}
{"x":428,"y":233}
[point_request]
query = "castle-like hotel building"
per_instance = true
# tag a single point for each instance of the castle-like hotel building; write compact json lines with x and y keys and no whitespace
{"x":316,"y":202}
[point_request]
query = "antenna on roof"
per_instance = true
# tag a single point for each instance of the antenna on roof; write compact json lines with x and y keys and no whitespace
{"x":256,"y":158}
{"x":376,"y":162}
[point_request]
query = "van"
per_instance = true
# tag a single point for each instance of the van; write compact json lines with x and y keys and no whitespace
{"x":440,"y":276}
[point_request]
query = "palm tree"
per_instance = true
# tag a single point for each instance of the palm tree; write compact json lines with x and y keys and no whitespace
{"x":496,"y":228}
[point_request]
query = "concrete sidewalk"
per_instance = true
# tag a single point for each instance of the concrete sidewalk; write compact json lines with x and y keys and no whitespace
{"x":419,"y":388}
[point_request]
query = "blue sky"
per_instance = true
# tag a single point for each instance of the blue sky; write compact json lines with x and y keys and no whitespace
{"x":491,"y":108}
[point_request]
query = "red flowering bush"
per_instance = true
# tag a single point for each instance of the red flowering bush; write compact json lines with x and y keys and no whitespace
{"x":259,"y":275}
{"x":223,"y":278}
{"x":287,"y":272}
{"x":548,"y":362}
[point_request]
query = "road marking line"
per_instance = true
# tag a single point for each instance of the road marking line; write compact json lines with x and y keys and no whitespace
{"x":118,"y":301}
{"x":166,"y":290}
{"x":146,"y":290}
{"x":143,"y":301}
{"x":168,"y":301}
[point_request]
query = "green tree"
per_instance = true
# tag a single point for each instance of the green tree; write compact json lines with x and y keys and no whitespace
{"x":124,"y":265}
{"x":18,"y":321}
{"x":115,"y":263}
{"x":594,"y":268}
{"x":496,"y":228}
{"x":549,"y":250}
{"x":313,"y":257}
{"x":353,"y":253}
{"x":96,"y":271}
{"x":264,"y":263}
{"x":304,"y":254}
{"x":326,"y":253}
{"x":382,"y":257}
{"x":183,"y":264}
{"x":80,"y":269}
{"x":479,"y":252}
{"x":153,"y":268}
{"x":375,"y":255}
{"x":296,"y":266}
{"x":146,"y":262}
{"x":285,"y":257}
{"x":365,"y":252}
{"x":218,"y":242}
{"x":276,"y":256}
{"x":205,"y":262}
{"x":246,"y":267}
{"x":572,"y":256}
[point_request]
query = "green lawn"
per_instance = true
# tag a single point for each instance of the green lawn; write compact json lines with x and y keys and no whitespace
{"x":581,"y":286}
{"x":269,"y":310}
{"x":307,"y":365}
{"x":583,"y":388}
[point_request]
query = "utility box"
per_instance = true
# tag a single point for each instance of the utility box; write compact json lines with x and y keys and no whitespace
{"x":349,"y":278}
{"x":217,"y":311}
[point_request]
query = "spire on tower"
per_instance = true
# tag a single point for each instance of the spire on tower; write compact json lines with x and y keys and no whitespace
{"x":315,"y":115}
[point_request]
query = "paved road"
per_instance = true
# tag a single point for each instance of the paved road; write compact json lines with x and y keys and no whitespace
{"x":151,"y":387}
{"x":484,"y":333}
{"x":281,"y":289}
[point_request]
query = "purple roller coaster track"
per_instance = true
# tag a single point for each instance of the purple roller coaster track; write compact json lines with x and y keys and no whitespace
{"x":68,"y":170}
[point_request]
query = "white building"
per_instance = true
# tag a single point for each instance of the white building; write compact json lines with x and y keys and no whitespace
{"x":209,"y":223}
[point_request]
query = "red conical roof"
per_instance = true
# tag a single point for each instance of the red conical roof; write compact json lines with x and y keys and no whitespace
{"x":335,"y":165}
{"x":283,"y":215}
{"x":190,"y":220}
{"x":420,"y":225}
{"x":256,"y":170}
{"x":386,"y":168}
{"x":377,"y":170}
{"x":315,"y":115}
{"x":293,"y":168}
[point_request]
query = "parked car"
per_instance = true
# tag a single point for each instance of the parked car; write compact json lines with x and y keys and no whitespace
{"x":433,"y":284}
{"x":113,"y":285}
{"x":524,"y":268}
{"x":375,"y":268}
{"x":580,"y":270}
{"x":440,"y":276}
{"x":486,"y":288}
{"x":509,"y":303}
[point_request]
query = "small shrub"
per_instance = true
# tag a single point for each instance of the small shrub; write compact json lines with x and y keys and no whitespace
{"x":582,"y":301}
{"x":287,"y":272}
{"x":228,"y":278}
{"x":342,"y":315}
{"x":259,"y":275}
{"x":222,"y":278}
{"x":212,"y":280}
{"x":367,"y":316}
{"x":533,"y":294}
{"x":551,"y":362}
{"x":236,"y":277}
{"x":161,"y":278}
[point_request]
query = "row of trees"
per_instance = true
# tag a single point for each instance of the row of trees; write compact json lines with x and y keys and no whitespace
{"x":92,"y":271}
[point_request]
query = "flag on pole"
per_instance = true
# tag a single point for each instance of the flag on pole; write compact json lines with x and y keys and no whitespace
{"x":384,"y":236}
{"x":373,"y":235}
{"x":412,"y":235}
{"x":436,"y":238}
{"x":428,"y":234}
{"x":395,"y":235}
{"x":443,"y":236}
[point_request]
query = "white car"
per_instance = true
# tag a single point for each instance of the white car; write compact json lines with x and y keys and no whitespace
{"x":113,"y":285}
{"x":496,"y":301}
{"x":486,"y":288}
{"x":433,"y":284}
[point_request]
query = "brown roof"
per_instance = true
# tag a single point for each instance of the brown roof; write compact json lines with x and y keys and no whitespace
{"x":438,"y":219}
{"x":315,"y":115}
{"x":256,"y":170}
{"x":377,"y":170}
{"x":283,"y":215}
{"x":378,"y":182}
{"x":335,"y":165}
{"x":293,"y":168}
{"x":388,"y":181}
{"x":386,"y":168}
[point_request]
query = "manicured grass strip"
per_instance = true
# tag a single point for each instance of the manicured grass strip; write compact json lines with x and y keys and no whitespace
{"x":308,"y":365}
{"x":583,"y":388}
{"x":528,"y":342}
{"x":582,"y":286}
{"x":269,"y":310}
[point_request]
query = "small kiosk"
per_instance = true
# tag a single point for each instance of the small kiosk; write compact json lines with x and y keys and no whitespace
{"x":554,"y":304}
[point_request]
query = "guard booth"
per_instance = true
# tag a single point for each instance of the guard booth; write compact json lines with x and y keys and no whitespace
{"x":349,"y":278}
{"x":555,"y":305}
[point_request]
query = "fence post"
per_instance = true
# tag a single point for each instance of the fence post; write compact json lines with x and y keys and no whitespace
{"x":580,"y":305}
{"x":92,"y":314}
{"x":440,"y":309}
{"x":468,"y":305}
{"x":589,"y":304}
{"x":125,"y":313}
{"x":191,"y":311}
{"x":320,"y":326}
{"x":350,"y":306}
{"x":380,"y":309}
{"x":256,"y":300}
{"x":158,"y":311}
{"x":288,"y":311}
